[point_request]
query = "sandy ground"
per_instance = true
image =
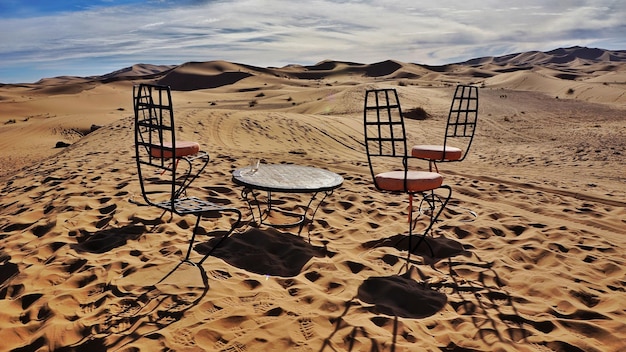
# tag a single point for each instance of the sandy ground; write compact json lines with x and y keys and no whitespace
{"x":540,"y":268}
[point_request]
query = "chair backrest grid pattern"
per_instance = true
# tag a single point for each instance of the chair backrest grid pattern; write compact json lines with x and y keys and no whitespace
{"x":385,"y":134}
{"x":155,"y":118}
{"x":154,"y":126}
{"x":384,"y":131}
{"x":462,"y":116}
{"x":463,"y":112}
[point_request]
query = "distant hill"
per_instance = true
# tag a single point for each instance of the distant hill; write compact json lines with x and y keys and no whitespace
{"x":513,"y":71}
{"x":571,"y":62}
{"x":552,"y":58}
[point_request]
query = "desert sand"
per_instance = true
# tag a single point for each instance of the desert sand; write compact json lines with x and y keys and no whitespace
{"x":541,"y":267}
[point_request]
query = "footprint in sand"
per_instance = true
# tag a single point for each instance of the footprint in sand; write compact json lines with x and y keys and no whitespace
{"x":184,"y":337}
{"x":307,"y":328}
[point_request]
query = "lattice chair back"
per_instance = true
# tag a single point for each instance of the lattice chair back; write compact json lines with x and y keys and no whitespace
{"x":162,"y":177}
{"x":462,"y":118}
{"x":385,"y":133}
{"x":460,"y":130}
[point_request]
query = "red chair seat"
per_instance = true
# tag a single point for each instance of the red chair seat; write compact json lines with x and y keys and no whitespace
{"x":436,"y":152}
{"x":183,"y":148}
{"x":417,"y":181}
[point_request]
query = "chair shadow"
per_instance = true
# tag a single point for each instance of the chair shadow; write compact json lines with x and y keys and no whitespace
{"x":400,"y":296}
{"x":442,"y":247}
{"x":265,"y":251}
{"x":486,"y":299}
{"x":392,"y":297}
{"x":143,"y":311}
{"x":481,"y":300}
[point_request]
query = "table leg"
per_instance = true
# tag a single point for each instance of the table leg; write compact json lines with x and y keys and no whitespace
{"x":245,"y":195}
{"x":326,"y":194}
{"x":253,"y":201}
{"x":299,"y":222}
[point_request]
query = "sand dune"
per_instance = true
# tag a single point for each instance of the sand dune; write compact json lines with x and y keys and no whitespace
{"x":83,"y":267}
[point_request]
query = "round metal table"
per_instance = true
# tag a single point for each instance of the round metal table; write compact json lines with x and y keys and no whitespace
{"x":285,"y":178}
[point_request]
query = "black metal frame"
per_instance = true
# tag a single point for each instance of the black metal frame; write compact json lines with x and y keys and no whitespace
{"x":265,"y":213}
{"x":385,"y":139}
{"x":461,"y":123}
{"x":163,"y":180}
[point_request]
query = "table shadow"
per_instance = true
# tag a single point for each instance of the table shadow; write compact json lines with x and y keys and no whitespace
{"x":103,"y":241}
{"x":265,"y":251}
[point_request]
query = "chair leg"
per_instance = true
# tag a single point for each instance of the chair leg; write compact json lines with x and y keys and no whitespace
{"x":432,"y":163}
{"x":233,"y":226}
{"x":411,"y":226}
{"x":193,"y":237}
{"x":408,"y":256}
{"x":190,"y":175}
{"x":434,"y":216}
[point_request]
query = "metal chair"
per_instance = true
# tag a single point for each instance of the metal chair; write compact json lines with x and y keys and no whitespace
{"x":166,"y":167}
{"x":460,"y":129}
{"x":386,"y":147}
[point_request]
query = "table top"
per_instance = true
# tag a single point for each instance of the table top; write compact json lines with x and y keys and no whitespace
{"x":288,"y":178}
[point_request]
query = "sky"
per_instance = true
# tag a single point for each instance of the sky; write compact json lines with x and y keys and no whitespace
{"x":49,"y":38}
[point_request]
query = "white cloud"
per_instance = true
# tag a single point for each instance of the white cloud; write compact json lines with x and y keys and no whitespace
{"x":279,"y":32}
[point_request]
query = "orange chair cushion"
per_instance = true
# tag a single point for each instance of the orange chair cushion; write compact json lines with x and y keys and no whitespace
{"x":417,"y":181}
{"x":183,"y":148}
{"x":435,"y":152}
